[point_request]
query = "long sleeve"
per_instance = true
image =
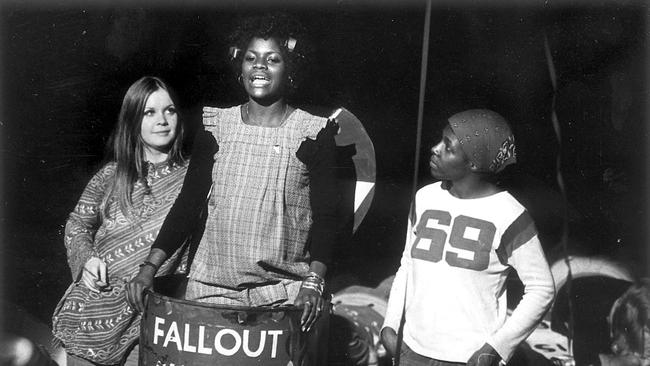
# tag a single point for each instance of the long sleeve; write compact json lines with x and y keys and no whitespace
{"x":185,"y":213}
{"x":320,"y":157}
{"x":397,"y":297}
{"x":531,"y":266}
{"x":84,"y":220}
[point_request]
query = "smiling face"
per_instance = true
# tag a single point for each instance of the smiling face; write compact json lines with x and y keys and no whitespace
{"x":159,"y":123}
{"x":264,"y":70}
{"x":448,"y":160}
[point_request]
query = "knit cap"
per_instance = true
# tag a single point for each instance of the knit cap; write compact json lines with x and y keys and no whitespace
{"x":486,"y":139}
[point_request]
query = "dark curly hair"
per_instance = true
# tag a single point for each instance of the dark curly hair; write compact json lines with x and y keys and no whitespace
{"x":280,"y":27}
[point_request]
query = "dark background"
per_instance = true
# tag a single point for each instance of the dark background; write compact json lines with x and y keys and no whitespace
{"x":66,"y":66}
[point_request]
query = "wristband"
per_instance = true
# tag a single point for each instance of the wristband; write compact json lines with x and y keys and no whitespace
{"x":148,"y":263}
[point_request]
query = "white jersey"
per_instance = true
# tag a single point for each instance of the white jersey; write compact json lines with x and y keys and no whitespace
{"x":456,"y":259}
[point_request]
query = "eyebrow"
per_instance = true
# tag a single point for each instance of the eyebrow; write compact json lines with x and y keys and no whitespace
{"x":264,"y":53}
{"x":164,"y":107}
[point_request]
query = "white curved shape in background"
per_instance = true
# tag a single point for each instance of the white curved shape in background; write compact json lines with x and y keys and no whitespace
{"x":587,"y":267}
{"x":352,"y":132}
{"x":550,"y":343}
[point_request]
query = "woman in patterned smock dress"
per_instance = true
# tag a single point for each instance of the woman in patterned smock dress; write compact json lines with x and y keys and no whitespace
{"x":114,"y":224}
{"x":269,"y":170}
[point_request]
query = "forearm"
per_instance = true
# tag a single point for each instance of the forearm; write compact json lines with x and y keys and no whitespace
{"x":539,"y":290}
{"x":144,"y":278}
{"x":79,"y":249}
{"x":396,"y":301}
{"x":82,"y":224}
{"x":318,"y":267}
{"x":324,"y":235}
{"x":523,"y":320}
{"x":157,"y":257}
{"x":397,"y":297}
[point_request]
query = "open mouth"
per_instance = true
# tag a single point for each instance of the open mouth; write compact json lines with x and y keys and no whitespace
{"x":260,"y":80}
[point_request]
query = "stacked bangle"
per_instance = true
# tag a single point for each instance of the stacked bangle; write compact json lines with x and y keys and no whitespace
{"x":314,"y":282}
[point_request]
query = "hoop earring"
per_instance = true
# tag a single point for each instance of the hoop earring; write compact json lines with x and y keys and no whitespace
{"x":291,"y":82}
{"x":240,"y":79}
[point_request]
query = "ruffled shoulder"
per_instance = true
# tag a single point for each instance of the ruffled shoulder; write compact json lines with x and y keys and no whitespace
{"x":213,"y":116}
{"x":309,"y":124}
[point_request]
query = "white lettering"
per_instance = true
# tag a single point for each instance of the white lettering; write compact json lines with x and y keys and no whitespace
{"x":274,"y":345}
{"x":157,"y":332}
{"x":186,"y":338}
{"x":202,"y":348}
{"x":260,"y":348}
{"x":173,"y":336}
{"x":227,"y":342}
{"x":221,"y":349}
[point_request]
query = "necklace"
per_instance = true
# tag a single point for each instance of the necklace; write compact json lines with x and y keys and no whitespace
{"x":254,"y":122}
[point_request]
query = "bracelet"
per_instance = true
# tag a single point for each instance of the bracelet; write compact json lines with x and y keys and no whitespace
{"x":310,"y":286}
{"x":316,"y":276}
{"x":314,"y":286}
{"x":314,"y":283}
{"x":149,"y":263}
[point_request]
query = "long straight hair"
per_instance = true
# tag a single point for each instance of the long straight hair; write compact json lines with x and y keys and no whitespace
{"x":126,"y":147}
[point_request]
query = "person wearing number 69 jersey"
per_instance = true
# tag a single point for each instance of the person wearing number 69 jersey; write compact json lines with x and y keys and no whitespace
{"x":465,"y":235}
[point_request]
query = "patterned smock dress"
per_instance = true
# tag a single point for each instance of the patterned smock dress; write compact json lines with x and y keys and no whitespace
{"x":100,"y":327}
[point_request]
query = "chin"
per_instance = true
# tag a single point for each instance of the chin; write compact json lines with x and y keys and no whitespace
{"x":164,"y":146}
{"x":435,"y":174}
{"x":263,"y":97}
{"x":256,"y":93}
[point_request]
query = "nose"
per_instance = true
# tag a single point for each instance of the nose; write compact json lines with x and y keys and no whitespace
{"x":435,"y":150}
{"x":260,"y":64}
{"x":163,"y":120}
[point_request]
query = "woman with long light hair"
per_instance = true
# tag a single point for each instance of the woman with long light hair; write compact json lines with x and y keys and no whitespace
{"x":117,"y":218}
